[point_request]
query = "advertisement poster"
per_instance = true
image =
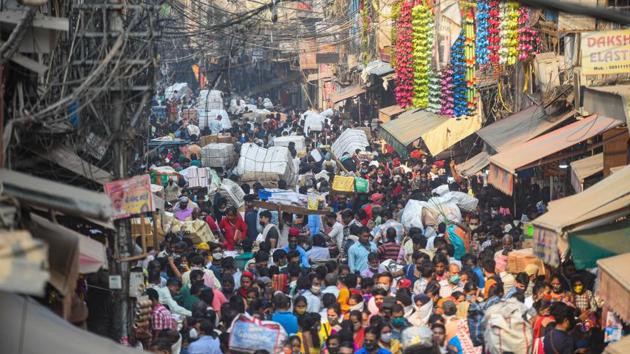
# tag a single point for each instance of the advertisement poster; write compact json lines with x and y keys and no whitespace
{"x":130,"y":196}
{"x":248,"y":334}
{"x":605,"y":52}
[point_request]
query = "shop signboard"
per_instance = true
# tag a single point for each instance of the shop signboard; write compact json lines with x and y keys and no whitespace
{"x":130,"y":196}
{"x":605,"y":52}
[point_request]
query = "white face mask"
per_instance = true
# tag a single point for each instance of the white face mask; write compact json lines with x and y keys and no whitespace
{"x":193,"y":333}
{"x":217,"y":256}
{"x":386,"y":338}
{"x":316,"y":289}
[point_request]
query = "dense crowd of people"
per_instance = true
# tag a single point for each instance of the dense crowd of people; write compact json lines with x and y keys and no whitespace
{"x":356,"y":280}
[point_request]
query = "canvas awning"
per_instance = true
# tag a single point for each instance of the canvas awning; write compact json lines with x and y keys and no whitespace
{"x":620,"y":347}
{"x":69,"y":160}
{"x":521,"y":127}
{"x":614,"y":284}
{"x":438,"y":132}
{"x":473,"y":165}
{"x":600,"y":204}
{"x":70,"y":252}
{"x":585,"y":168}
{"x":531,"y":153}
{"x":378,"y":68}
{"x":30,"y":328}
{"x":23,"y":263}
{"x":386,"y":114}
{"x":609,"y":101}
{"x":58,"y":196}
{"x":587,"y":246}
{"x":349,"y":92}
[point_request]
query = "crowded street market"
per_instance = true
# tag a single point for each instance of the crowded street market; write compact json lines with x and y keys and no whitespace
{"x":448,"y":178}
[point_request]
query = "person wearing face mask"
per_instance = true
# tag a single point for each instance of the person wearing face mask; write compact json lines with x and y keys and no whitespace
{"x":332,"y":324}
{"x":371,"y":341}
{"x":283,"y":315}
{"x":398,"y":321}
{"x":333,"y":344}
{"x":313,"y":294}
{"x":558,"y":292}
{"x":582,"y":297}
{"x":171,"y":190}
{"x":387,"y":342}
{"x":374,"y":266}
{"x":299,"y":306}
{"x":335,"y":229}
{"x":558,"y":340}
{"x":358,"y":331}
{"x":217,"y":258}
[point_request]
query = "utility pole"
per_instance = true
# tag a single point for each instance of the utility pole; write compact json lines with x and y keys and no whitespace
{"x":115,"y":49}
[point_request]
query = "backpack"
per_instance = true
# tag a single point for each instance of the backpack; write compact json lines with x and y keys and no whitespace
{"x":506,"y":329}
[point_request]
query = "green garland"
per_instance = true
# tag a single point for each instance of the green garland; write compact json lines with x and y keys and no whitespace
{"x":422,"y":40}
{"x":365,"y":32}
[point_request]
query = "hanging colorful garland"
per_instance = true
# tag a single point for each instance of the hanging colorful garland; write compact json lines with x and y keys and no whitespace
{"x":422,"y":21}
{"x":394,"y":33}
{"x":447,"y":101}
{"x":404,"y":60}
{"x":435,"y":92}
{"x":460,"y":88}
{"x":509,"y":33}
{"x":494,"y":23}
{"x":528,"y":39}
{"x":481,"y":39}
{"x":365,"y":30}
{"x":469,"y":55}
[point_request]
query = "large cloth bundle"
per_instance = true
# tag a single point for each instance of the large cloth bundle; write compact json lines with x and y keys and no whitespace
{"x":422,"y":214}
{"x":266,"y":166}
{"x":506,"y":330}
{"x":313,"y":122}
{"x":349,"y":141}
{"x":232,"y":192}
{"x":210,"y":100}
{"x":300,"y":145}
{"x":257,"y":115}
{"x":197,"y":231}
{"x":218,"y":155}
{"x":205,"y":116}
{"x":181,"y":88}
{"x":237,"y":106}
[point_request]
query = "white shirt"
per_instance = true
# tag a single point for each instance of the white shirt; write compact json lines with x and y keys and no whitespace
{"x":332,"y":289}
{"x":205,"y":345}
{"x":336,"y":234}
{"x":318,"y":254}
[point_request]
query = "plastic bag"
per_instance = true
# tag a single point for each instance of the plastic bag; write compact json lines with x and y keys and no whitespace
{"x":361,"y":185}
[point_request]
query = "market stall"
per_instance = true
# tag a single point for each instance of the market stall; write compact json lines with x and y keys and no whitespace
{"x":505,"y":164}
{"x":614,"y":284}
{"x":585,"y":168}
{"x":600,"y":204}
{"x":521,"y":127}
{"x":437,"y":132}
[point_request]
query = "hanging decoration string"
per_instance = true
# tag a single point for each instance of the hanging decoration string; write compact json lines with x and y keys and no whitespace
{"x":422,"y":40}
{"x":404,"y":59}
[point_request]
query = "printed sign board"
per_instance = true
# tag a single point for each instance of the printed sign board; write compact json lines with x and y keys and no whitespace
{"x":605,"y":52}
{"x":130,"y":196}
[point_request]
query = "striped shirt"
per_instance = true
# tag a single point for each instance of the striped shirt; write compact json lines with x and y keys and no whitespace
{"x":389,"y":250}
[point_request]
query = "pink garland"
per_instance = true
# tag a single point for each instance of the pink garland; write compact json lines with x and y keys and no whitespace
{"x":528,"y":39}
{"x":404,"y":59}
{"x":494,"y":40}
